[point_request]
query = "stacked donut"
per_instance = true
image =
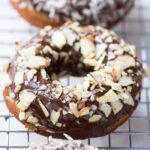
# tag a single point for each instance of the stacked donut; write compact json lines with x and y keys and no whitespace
{"x":106,"y":98}
{"x":56,"y":12}
{"x":54,"y":144}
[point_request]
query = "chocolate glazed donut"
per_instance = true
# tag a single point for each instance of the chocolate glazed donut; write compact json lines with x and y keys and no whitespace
{"x":106,"y":13}
{"x":108,"y":95}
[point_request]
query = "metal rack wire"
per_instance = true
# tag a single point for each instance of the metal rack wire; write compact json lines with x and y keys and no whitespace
{"x":133,"y":135}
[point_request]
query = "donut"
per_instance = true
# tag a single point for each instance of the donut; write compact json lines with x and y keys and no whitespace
{"x":104,"y":100}
{"x":40,"y":13}
{"x":57,"y":144}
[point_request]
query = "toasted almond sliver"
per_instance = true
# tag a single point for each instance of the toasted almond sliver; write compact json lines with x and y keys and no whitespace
{"x":126,"y":81}
{"x":22,"y":115}
{"x":26,"y":97}
{"x":19,"y":78}
{"x":30,"y":74}
{"x":112,"y":96}
{"x":54,"y":116}
{"x":84,"y":111}
{"x":102,"y":99}
{"x":87,"y":47}
{"x":117,"y":87}
{"x":58,"y":39}
{"x":38,"y":62}
{"x":32,"y":119}
{"x":127,"y":98}
{"x":124,"y":61}
{"x":106,"y":109}
{"x":116,"y":106}
{"x":45,"y":111}
{"x":94,"y":118}
{"x":74,"y":109}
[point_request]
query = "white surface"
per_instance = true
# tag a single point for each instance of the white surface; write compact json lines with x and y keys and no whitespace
{"x":135,"y":133}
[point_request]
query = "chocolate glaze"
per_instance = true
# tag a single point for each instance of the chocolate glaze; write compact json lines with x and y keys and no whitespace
{"x":72,"y":127}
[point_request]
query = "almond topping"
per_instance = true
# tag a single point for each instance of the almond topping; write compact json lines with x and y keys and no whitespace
{"x":116,"y":106}
{"x":54,"y":116}
{"x":106,"y":109}
{"x":84,"y":111}
{"x":117,"y":87}
{"x":90,"y":62}
{"x":126,"y":81}
{"x":26,"y":97}
{"x":124,"y":61}
{"x":22,"y":116}
{"x":38,"y":62}
{"x":19,"y":78}
{"x":45,"y":111}
{"x":100,"y":49}
{"x":74,"y":109}
{"x":111,"y":96}
{"x":102,"y":99}
{"x":30,"y":74}
{"x":95,"y":118}
{"x":32,"y":119}
{"x":127,"y":98}
{"x":86,"y":47}
{"x":58,"y":39}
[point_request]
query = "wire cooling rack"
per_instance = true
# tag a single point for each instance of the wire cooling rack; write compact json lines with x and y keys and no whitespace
{"x":132,"y":135}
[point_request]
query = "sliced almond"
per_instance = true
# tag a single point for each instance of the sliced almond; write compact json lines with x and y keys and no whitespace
{"x":102,"y":99}
{"x":100,"y":61}
{"x":90,"y":62}
{"x":28,"y":52}
{"x":116,"y":106}
{"x":94,"y":118}
{"x":86,"y":94}
{"x":32,"y":119}
{"x":38,"y":62}
{"x":100,"y":49}
{"x":117,"y":87}
{"x":17,"y":88}
{"x":111,"y":96}
{"x":106,"y":109}
{"x":30,"y":74}
{"x":126,"y":81}
{"x":26,"y":97}
{"x":87,"y":47}
{"x":116,"y":73}
{"x":22,"y":115}
{"x":54,"y":116}
{"x":43,"y":74}
{"x":70,"y":36}
{"x":58,"y":39}
{"x":127,"y":98}
{"x":45,"y":111}
{"x":84,"y":111}
{"x":124,"y":61}
{"x":19,"y":78}
{"x":74,"y":109}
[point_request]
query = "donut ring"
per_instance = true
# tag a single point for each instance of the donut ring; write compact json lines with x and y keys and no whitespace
{"x":108,"y":95}
{"x":47,"y":12}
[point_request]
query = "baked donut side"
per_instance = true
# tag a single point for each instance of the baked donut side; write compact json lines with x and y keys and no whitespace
{"x":108,"y":95}
{"x":77,"y":134}
{"x":88,"y":12}
{"x":33,"y":17}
